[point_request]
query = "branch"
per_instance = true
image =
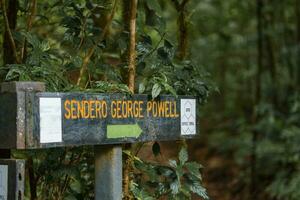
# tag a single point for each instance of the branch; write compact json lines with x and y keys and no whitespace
{"x":10,"y":36}
{"x":132,"y":43}
{"x":91,"y":51}
{"x":29,"y":26}
{"x":32,"y":14}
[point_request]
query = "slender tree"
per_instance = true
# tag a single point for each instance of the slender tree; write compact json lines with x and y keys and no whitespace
{"x":182,"y":28}
{"x":297,"y":9}
{"x":259,"y":18}
{"x":10,"y":54}
{"x":33,"y":7}
{"x":132,"y":43}
{"x":271,"y":62}
{"x":131,"y":82}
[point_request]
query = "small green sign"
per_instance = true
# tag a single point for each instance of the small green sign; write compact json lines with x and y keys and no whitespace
{"x":123,"y":130}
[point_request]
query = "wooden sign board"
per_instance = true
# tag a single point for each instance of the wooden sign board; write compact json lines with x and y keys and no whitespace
{"x":68,"y":119}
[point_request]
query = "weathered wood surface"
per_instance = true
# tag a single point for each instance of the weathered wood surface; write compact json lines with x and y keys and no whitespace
{"x":13,"y":112}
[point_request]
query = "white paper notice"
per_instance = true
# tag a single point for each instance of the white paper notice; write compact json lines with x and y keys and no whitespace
{"x":188,"y":116}
{"x":3,"y":182}
{"x":50,"y":120}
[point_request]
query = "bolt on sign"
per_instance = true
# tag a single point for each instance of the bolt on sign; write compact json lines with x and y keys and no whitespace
{"x":64,"y":119}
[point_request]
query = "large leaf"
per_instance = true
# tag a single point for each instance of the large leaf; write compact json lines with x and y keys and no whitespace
{"x":174,"y":186}
{"x":183,"y":156}
{"x":156,"y":90}
{"x":141,"y":88}
{"x":173,"y":163}
{"x":76,"y":186}
{"x":199,"y":190}
{"x":194,"y":169}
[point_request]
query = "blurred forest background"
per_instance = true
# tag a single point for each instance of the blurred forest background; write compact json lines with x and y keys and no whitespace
{"x":241,"y":58}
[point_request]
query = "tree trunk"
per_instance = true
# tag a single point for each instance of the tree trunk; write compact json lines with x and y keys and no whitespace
{"x":286,"y":40}
{"x":126,"y":22}
{"x":131,"y":86}
{"x":297,"y":7}
{"x":183,"y":35}
{"x":132,"y":43}
{"x":8,"y":49}
{"x":182,"y":51}
{"x":272,"y":68}
{"x":271,"y":57}
{"x":259,"y":17}
{"x":33,"y":7}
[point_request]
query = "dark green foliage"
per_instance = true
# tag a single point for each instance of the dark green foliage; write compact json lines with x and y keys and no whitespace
{"x":61,"y":173}
{"x":223,"y":40}
{"x":168,"y":75}
{"x":177,"y":180}
{"x":42,"y":64}
{"x":279,"y":149}
{"x":54,"y":49}
{"x":228,"y":46}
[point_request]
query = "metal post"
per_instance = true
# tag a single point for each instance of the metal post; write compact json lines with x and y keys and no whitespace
{"x":12,"y":175}
{"x":108,"y":172}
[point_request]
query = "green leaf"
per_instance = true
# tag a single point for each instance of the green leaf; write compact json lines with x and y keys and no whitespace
{"x":153,"y":20}
{"x":156,"y":90}
{"x":44,"y":46}
{"x":166,"y":171}
{"x":170,"y":89}
{"x":164,"y":56}
{"x":174,"y":186}
{"x":194,"y":169}
{"x":76,"y":186}
{"x":199,"y":190}
{"x":141,"y":88}
{"x":153,"y":5}
{"x":173,"y":163}
{"x":168,"y":44}
{"x":32,"y":39}
{"x":138,"y":193}
{"x":183,"y":156}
